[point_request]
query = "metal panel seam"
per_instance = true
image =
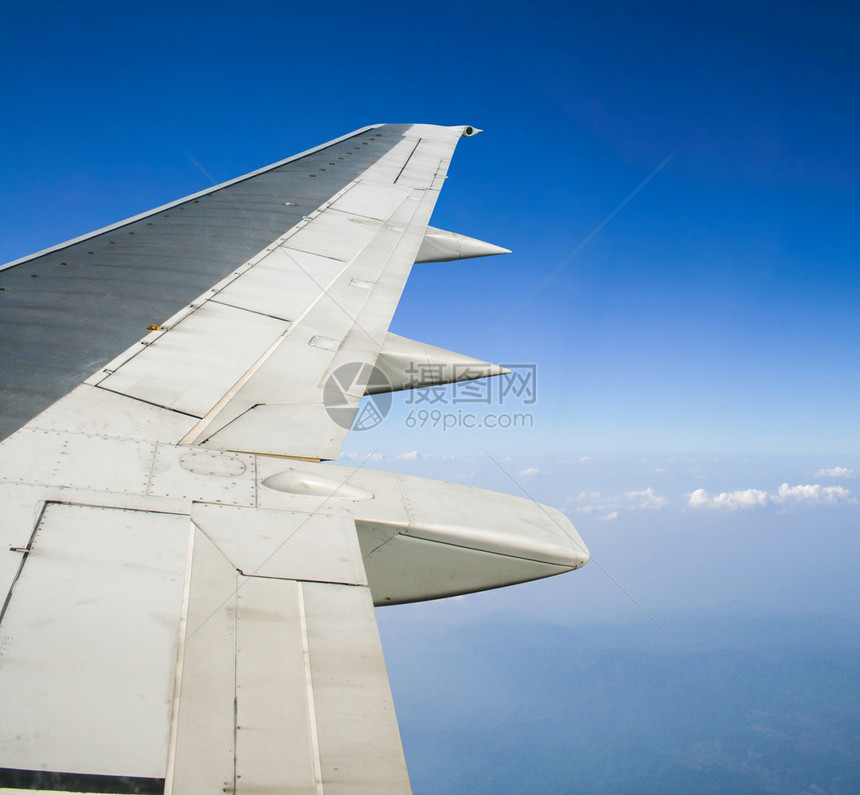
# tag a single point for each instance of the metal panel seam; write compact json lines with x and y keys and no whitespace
{"x":180,"y":661}
{"x":339,"y":583}
{"x":235,"y":597}
{"x":24,"y":556}
{"x":312,"y":715}
{"x":212,"y":541}
{"x":417,"y":143}
{"x":151,"y":468}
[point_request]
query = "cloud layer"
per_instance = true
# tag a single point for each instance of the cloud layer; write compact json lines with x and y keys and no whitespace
{"x":835,"y":472}
{"x":810,"y":494}
{"x":607,"y":507}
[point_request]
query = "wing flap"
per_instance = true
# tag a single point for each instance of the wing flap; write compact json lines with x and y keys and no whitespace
{"x":275,"y":680}
{"x":313,"y":709}
{"x":277,"y":749}
{"x":359,"y":742}
{"x":90,"y":642}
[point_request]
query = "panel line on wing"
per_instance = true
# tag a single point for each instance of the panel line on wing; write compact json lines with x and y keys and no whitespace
{"x":141,"y":400}
{"x":309,"y":685}
{"x":26,"y":553}
{"x":180,"y":661}
{"x":399,"y":173}
{"x":325,"y":291}
{"x":248,"y":309}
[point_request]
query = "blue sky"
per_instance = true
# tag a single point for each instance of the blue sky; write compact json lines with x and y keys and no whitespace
{"x":714,"y":312}
{"x":697,"y":360}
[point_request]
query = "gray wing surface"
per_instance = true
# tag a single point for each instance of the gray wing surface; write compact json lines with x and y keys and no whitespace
{"x":67,"y":311}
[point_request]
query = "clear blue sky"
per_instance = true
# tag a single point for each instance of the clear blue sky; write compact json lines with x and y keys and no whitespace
{"x":716,"y":311}
{"x":698,"y":353}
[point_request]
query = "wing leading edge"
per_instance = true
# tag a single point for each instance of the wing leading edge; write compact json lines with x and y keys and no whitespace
{"x":186,"y":610}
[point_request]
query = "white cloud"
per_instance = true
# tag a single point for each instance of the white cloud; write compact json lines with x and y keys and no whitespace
{"x":529,"y":472}
{"x":814,"y":494}
{"x":609,"y":517}
{"x":589,"y":509}
{"x":646,"y":499}
{"x":363,"y":456}
{"x":586,"y":496}
{"x":729,"y":500}
{"x":610,"y":506}
{"x":835,"y":472}
{"x":699,"y":499}
{"x":593,"y":503}
{"x":410,"y":456}
{"x":810,"y":494}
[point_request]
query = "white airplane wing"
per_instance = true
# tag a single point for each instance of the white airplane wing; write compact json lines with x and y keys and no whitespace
{"x":188,"y":592}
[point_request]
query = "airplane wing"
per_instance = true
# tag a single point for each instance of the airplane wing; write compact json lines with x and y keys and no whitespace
{"x":188,"y":591}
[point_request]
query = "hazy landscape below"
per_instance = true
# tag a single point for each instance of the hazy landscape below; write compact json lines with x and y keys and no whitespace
{"x":735,"y":703}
